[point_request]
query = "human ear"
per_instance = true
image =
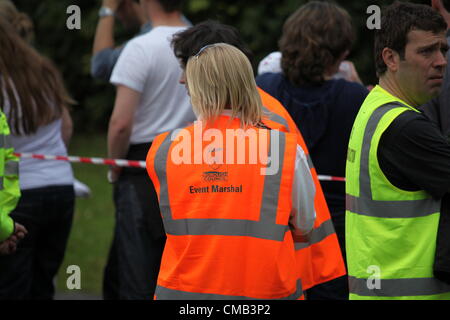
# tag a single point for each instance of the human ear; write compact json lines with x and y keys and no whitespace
{"x":391,"y":58}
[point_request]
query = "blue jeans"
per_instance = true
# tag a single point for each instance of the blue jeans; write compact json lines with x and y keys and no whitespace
{"x":47,"y":214}
{"x":139,"y":238}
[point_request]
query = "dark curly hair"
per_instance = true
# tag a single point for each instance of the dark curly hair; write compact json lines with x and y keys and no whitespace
{"x":188,"y":42}
{"x":397,"y":20}
{"x":314,"y":38}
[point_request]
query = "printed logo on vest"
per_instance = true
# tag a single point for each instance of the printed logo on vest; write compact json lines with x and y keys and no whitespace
{"x":214,"y":176}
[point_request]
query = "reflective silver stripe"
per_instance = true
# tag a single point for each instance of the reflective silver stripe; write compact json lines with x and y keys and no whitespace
{"x":364,"y":176}
{"x":275,"y":118}
{"x":160,"y":167}
{"x":398,"y":287}
{"x":1,"y":183}
{"x":318,"y":234}
{"x":163,"y":293}
{"x":364,"y":205}
{"x":12,"y":168}
{"x":266,"y":228}
{"x":5,"y":141}
{"x":392,"y":209}
{"x":272,"y":183}
{"x":310,"y":162}
{"x":226,"y":227}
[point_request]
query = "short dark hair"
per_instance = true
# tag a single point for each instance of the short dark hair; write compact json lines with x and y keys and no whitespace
{"x":188,"y":42}
{"x":397,"y":20}
{"x":171,"y":5}
{"x":314,"y":38}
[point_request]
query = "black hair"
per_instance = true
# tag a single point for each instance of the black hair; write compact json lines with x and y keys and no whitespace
{"x":188,"y":42}
{"x":397,"y":21}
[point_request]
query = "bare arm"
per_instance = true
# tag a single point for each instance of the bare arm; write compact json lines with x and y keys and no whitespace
{"x":104,"y":35}
{"x":121,"y":123}
{"x":66,"y":127}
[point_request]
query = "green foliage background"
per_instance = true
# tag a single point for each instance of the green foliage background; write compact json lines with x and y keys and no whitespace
{"x":260,"y":22}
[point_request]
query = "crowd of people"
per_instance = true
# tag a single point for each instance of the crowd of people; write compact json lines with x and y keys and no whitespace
{"x":221,"y":229}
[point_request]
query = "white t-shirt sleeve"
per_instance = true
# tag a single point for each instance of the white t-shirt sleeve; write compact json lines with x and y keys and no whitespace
{"x":131,"y":70}
{"x":303,"y":213}
{"x":270,"y":64}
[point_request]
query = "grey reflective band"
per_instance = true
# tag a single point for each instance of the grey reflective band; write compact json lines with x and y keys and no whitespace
{"x":364,"y":204}
{"x":160,"y":168}
{"x":392,"y":209}
{"x":1,"y":183}
{"x":272,"y":183}
{"x":372,"y":124}
{"x":397,"y":287}
{"x":265,"y":228}
{"x":310,"y":162}
{"x":5,"y":141}
{"x":12,"y":168}
{"x":275,"y":118}
{"x":226,"y":227}
{"x":318,"y":234}
{"x":170,"y":294}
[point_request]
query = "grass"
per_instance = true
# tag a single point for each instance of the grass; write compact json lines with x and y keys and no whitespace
{"x":93,"y":223}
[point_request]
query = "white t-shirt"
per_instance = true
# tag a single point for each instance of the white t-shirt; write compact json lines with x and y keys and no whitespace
{"x":270,"y":64}
{"x":35,"y":173}
{"x":47,"y":140}
{"x":148,"y":65}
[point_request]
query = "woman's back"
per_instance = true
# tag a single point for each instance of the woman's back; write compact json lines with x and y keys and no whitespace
{"x":36,"y":173}
{"x":34,"y":100}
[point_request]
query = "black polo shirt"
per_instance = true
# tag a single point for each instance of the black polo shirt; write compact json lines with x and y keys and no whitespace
{"x":414,"y":155}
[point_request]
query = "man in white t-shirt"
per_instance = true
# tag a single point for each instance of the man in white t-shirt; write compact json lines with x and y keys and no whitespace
{"x":149,"y":101}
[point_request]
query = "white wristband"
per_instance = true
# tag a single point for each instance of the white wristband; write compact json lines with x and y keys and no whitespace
{"x":106,"y":12}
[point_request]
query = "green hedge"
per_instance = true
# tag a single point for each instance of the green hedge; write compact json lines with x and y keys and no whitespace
{"x":260,"y":23}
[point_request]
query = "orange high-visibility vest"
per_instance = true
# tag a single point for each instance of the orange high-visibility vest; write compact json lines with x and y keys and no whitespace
{"x":320,"y":259}
{"x":227,"y":226}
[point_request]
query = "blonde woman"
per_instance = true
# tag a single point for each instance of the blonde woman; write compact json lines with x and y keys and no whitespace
{"x":230,"y":216}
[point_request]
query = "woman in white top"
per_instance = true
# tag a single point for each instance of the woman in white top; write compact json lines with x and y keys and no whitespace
{"x":35,"y":102}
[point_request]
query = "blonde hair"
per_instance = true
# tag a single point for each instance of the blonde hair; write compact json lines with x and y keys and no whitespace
{"x":20,"y":21}
{"x":221,"y":77}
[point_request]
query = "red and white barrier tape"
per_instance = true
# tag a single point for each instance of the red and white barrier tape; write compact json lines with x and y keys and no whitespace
{"x":118,"y":162}
{"x":330,"y":178}
{"x":99,"y":161}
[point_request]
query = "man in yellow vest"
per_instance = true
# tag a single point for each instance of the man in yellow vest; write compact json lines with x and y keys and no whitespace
{"x":398,"y":165}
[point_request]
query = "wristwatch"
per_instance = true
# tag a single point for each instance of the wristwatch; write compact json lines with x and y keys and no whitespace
{"x":106,"y":12}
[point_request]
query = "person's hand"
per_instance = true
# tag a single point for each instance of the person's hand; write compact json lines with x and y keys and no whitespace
{"x":112,"y":4}
{"x":19,"y":232}
{"x":8,"y":246}
{"x":114,"y":173}
{"x":439,"y":7}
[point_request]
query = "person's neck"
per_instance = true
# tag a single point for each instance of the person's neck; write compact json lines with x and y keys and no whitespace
{"x":388,"y":83}
{"x":172,"y":19}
